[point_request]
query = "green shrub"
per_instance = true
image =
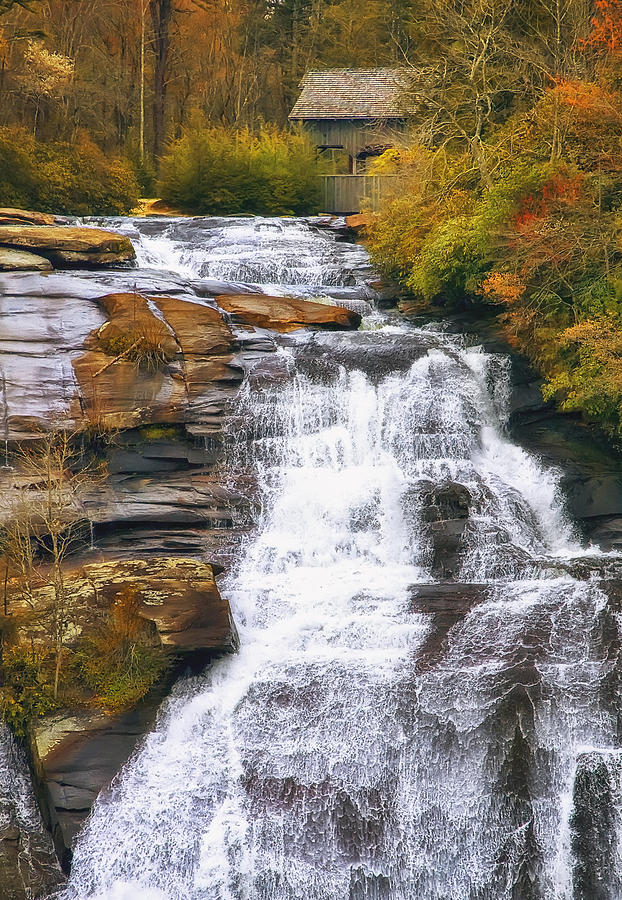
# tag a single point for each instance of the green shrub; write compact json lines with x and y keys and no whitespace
{"x":119,"y":662}
{"x":72,"y":179}
{"x":25,"y":692}
{"x":217,"y":170}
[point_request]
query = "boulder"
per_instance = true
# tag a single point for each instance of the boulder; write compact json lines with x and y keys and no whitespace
{"x":446,"y":509}
{"x":69,"y":246}
{"x":200,"y":330}
{"x":179,"y":595}
{"x":22,"y":261}
{"x":286,"y":314}
{"x":186,"y":374}
{"x":358,"y":222}
{"x":9,"y":216}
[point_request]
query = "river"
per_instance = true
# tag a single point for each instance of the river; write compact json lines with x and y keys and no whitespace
{"x":424,"y":705}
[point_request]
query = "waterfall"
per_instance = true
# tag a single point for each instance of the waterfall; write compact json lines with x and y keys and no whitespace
{"x":419,"y":707}
{"x":27,"y":860}
{"x":277,"y":256}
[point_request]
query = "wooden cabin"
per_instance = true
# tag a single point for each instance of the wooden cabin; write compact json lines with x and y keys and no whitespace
{"x":359,"y":111}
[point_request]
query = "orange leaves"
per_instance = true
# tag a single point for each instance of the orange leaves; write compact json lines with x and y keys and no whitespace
{"x":503,"y":287}
{"x":606,"y":33}
{"x":561,"y":188}
{"x":594,"y":103}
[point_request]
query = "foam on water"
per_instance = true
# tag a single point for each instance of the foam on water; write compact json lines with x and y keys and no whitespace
{"x":279,"y":255}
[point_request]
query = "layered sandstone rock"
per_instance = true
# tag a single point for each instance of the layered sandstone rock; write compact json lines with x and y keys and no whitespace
{"x":153,"y":361}
{"x":79,"y":751}
{"x":178,"y":595}
{"x":10,"y":216}
{"x":68,"y":246}
{"x":286,"y":314}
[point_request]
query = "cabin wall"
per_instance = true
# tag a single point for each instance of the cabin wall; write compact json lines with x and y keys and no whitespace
{"x":352,"y":135}
{"x":344,"y":194}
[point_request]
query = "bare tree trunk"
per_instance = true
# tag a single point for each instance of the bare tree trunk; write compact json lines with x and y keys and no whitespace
{"x":142,"y":80}
{"x":477,"y":151}
{"x":161,"y":15}
{"x":556,"y":149}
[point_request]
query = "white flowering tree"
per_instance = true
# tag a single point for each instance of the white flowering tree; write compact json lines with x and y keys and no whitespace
{"x":47,"y":76}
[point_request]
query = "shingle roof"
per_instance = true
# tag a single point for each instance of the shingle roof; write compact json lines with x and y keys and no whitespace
{"x":351,"y":94}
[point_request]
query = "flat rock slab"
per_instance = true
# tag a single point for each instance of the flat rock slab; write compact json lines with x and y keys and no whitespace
{"x":286,"y":314}
{"x":69,"y":246}
{"x":23,"y":261}
{"x":179,"y":595}
{"x":10,"y":216}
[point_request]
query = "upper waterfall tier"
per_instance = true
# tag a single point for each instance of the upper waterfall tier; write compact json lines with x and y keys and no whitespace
{"x":277,"y":255}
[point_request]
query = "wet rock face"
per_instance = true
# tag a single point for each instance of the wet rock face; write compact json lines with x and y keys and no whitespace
{"x":79,"y":753}
{"x":445,"y":509}
{"x":446,"y":604}
{"x":371,"y":352}
{"x":593,"y":832}
{"x":286,"y":314}
{"x":69,"y":247}
{"x":28,"y":864}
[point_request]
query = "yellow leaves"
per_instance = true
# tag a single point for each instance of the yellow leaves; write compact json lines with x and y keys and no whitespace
{"x":503,"y":287}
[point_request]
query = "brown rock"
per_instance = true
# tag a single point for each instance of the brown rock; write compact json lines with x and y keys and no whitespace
{"x":200,"y":330}
{"x":123,"y":395}
{"x":358,"y":222}
{"x":179,"y":596}
{"x":9,"y":216}
{"x":67,"y":245}
{"x":130,"y":320}
{"x":121,"y":392}
{"x":22,"y":261}
{"x":285,"y":313}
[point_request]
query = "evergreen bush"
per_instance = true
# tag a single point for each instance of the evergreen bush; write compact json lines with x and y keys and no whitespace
{"x":218,"y":170}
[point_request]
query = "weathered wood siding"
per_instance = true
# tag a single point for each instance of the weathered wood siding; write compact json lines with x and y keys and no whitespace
{"x":352,"y":135}
{"x":350,"y":193}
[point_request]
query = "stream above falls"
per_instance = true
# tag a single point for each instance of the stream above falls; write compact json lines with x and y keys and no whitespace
{"x":426,"y":703}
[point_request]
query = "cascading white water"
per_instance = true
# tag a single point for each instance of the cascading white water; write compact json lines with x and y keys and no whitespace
{"x":352,"y":749}
{"x":280,"y":255}
{"x":21,"y":823}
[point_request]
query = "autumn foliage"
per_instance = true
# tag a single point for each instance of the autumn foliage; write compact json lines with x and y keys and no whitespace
{"x":540,"y":247}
